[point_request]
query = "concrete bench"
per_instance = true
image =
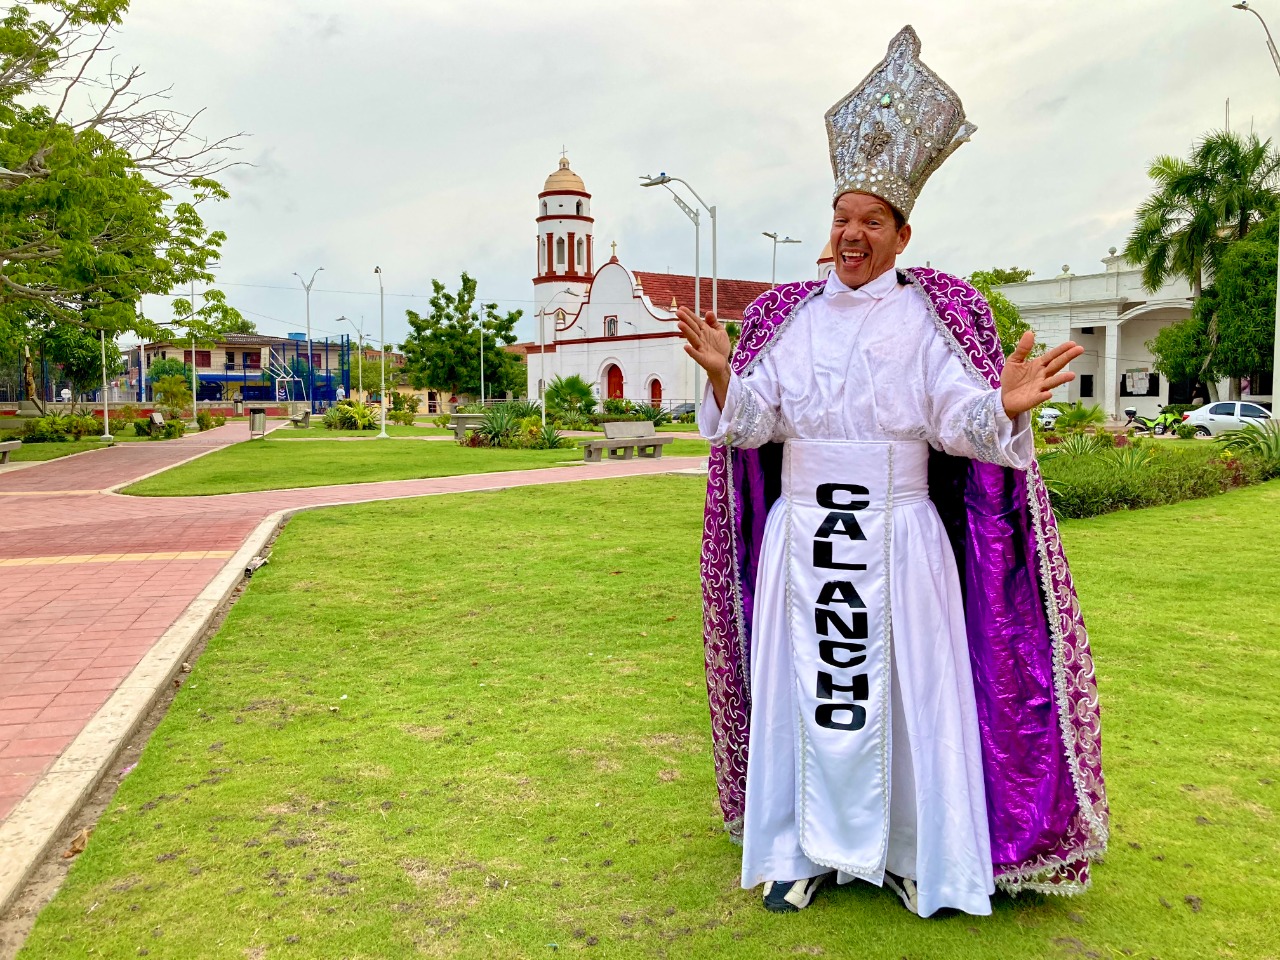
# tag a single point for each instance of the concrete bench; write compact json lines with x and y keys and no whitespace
{"x":6,"y":446}
{"x":301,"y":420}
{"x":460,"y":423}
{"x":156,"y":425}
{"x":626,"y":439}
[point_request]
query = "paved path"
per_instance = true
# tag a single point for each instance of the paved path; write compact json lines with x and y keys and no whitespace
{"x":90,"y":579}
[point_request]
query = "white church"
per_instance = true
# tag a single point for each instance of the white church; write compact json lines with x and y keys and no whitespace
{"x":612,"y":326}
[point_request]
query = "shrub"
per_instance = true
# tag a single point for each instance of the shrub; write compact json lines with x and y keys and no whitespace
{"x":656,"y":414}
{"x":173,"y":429}
{"x":204,"y":420}
{"x":499,"y":425}
{"x":142,"y":426}
{"x":351,"y":415}
{"x":616,"y":407}
{"x":125,"y":413}
{"x":403,"y":416}
{"x":1179,"y":408}
{"x":549,"y":438}
{"x":1076,"y":416}
{"x":570,"y":395}
{"x":688,"y":418}
{"x":442,"y":421}
{"x":408,"y":402}
{"x":1185,"y":431}
{"x":1261,"y":441}
{"x":524,"y":409}
{"x":570,"y":420}
{"x":219,"y":421}
{"x":51,"y":428}
{"x":173,"y":396}
{"x":84,"y":424}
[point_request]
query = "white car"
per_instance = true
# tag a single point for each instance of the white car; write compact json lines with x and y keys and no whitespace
{"x":1217,"y":418}
{"x":1048,"y":416}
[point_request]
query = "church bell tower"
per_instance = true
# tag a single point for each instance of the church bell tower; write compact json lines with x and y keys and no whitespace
{"x":565,"y":255}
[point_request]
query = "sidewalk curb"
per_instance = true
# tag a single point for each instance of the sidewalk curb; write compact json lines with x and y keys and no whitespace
{"x":29,"y":832}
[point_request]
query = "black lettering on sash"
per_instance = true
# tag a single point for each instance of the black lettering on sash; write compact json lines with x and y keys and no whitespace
{"x":827,"y":491}
{"x":822,"y":558}
{"x":827,"y":651}
{"x":826,"y":712}
{"x":822,"y":619}
{"x":840,"y":591}
{"x":847,"y":523}
{"x":827,"y":686}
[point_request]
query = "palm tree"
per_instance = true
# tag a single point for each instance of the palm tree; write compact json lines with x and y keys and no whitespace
{"x":1202,"y":204}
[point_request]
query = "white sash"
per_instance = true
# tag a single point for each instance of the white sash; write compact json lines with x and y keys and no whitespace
{"x":840,"y":497}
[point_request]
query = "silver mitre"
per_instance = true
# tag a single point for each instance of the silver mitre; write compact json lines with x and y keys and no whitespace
{"x":895,"y":128}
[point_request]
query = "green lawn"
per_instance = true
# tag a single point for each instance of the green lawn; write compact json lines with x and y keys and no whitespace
{"x":273,"y":464}
{"x":494,"y":744}
{"x":393,"y":429}
{"x":52,"y":451}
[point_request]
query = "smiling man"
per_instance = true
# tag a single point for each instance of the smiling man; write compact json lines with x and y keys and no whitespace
{"x":900,"y":682}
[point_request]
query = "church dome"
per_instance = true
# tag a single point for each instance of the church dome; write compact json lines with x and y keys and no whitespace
{"x":564,"y":179}
{"x":826,"y":255}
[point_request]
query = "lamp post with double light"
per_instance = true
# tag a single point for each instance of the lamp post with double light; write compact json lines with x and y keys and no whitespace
{"x":311,"y":373}
{"x":1275,"y":349}
{"x":773,"y":275}
{"x":662,"y":180}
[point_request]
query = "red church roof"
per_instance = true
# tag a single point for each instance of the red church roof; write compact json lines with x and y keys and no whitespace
{"x":734,"y":296}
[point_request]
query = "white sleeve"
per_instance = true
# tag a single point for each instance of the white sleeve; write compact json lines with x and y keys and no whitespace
{"x":750,"y":414}
{"x":969,"y":420}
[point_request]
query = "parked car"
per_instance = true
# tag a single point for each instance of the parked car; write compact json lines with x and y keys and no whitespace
{"x":1215,"y":418}
{"x":680,"y":409}
{"x":1047,"y":417}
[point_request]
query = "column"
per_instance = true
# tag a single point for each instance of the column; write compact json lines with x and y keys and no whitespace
{"x":1109,"y":371}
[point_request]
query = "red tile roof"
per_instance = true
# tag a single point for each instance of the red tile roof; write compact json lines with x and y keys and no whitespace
{"x":734,"y":296}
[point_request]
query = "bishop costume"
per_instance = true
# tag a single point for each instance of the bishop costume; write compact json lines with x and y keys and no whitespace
{"x":899,"y":676}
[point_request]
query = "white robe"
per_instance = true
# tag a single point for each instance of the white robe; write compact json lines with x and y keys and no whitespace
{"x":870,"y":365}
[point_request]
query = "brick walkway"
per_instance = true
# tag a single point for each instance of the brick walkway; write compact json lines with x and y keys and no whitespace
{"x":89,"y":580}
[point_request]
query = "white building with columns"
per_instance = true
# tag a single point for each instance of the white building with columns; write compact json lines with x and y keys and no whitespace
{"x":612,"y":326}
{"x":1112,"y":316}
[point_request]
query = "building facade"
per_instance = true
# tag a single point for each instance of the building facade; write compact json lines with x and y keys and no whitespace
{"x":612,"y":326}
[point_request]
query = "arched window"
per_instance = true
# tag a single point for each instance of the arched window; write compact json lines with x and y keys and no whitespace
{"x":560,"y":251}
{"x":544,"y":208}
{"x":579,"y":208}
{"x":582,"y":256}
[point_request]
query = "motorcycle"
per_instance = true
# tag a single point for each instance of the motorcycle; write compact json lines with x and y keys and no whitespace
{"x":1162,"y":423}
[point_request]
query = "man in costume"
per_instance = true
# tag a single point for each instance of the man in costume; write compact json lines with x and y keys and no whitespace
{"x":890,"y":624}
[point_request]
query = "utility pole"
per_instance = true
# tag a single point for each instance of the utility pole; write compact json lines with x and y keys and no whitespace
{"x":382,"y":353}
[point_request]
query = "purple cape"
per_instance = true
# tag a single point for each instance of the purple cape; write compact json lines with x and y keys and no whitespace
{"x":1032,"y":670}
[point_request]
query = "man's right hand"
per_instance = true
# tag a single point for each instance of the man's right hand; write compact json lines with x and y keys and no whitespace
{"x":708,"y":343}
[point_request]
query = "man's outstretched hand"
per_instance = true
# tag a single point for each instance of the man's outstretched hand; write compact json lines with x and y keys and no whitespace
{"x":708,"y":343}
{"x":1028,"y":381}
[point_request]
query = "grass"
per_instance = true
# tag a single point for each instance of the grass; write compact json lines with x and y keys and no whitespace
{"x":33,"y":452}
{"x":494,"y":745}
{"x":273,"y":464}
{"x":317,"y":431}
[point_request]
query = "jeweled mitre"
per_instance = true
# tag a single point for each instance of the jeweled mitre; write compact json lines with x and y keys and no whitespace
{"x":894,"y":130}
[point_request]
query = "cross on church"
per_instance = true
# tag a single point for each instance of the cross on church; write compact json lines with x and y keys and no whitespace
{"x":614,"y":247}
{"x":564,"y":152}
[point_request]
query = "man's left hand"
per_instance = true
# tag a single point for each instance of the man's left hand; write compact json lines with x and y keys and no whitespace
{"x":1029,"y":381}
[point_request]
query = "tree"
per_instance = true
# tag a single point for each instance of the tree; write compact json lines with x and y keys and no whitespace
{"x":443,"y":348}
{"x":1200,"y":206}
{"x":89,"y":164}
{"x":168,"y":367}
{"x":1231,"y":330}
{"x":173,"y":396}
{"x":1009,"y":323}
{"x":78,"y":352}
{"x":570,"y":394}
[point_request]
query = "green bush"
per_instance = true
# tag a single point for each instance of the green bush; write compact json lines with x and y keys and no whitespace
{"x":570,"y":395}
{"x":1260,"y":441}
{"x":442,"y":421}
{"x":142,"y":426}
{"x":499,"y":425}
{"x":688,"y":418}
{"x":173,"y":396}
{"x":407,"y":402}
{"x":616,"y":407}
{"x":656,"y":414}
{"x":352,"y":415}
{"x":51,"y":428}
{"x":1140,"y":475}
{"x":81,"y":425}
{"x":204,"y":420}
{"x":1185,"y":431}
{"x":1179,"y":408}
{"x":1076,"y":416}
{"x":403,"y":416}
{"x":173,"y":429}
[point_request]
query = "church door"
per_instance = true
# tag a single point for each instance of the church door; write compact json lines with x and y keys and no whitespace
{"x":655,"y":392}
{"x":613,"y":382}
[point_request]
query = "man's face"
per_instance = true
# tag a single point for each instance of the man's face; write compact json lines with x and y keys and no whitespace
{"x":865,"y":239}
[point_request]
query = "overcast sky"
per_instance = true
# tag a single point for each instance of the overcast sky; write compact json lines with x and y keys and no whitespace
{"x":416,"y":134}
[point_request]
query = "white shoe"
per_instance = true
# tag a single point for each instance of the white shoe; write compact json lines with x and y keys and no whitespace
{"x":788,"y":896}
{"x":905,"y":888}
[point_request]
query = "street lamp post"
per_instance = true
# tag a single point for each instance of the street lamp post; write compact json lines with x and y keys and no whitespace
{"x":106,"y":413}
{"x":662,"y":180}
{"x":359,"y":370}
{"x":195,"y":388}
{"x":773,"y":275}
{"x":311,"y":373}
{"x":1275,"y":349}
{"x":382,"y":353}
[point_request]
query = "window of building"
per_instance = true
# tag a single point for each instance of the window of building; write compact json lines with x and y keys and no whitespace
{"x":163,"y":356}
{"x":560,"y":251}
{"x":582,"y":255}
{"x":544,"y":208}
{"x":610,"y":326}
{"x":231,"y":358}
{"x":204,"y":358}
{"x":1086,"y":331}
{"x":1086,"y":385}
{"x":252,"y":359}
{"x":316,"y":360}
{"x":579,"y":208}
{"x":1153,"y":386}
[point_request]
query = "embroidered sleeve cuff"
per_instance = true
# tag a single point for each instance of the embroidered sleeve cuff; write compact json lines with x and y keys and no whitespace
{"x":744,"y":422}
{"x":994,"y":437}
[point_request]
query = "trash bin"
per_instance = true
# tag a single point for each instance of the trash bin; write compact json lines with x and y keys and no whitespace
{"x":237,"y":406}
{"x":257,"y":421}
